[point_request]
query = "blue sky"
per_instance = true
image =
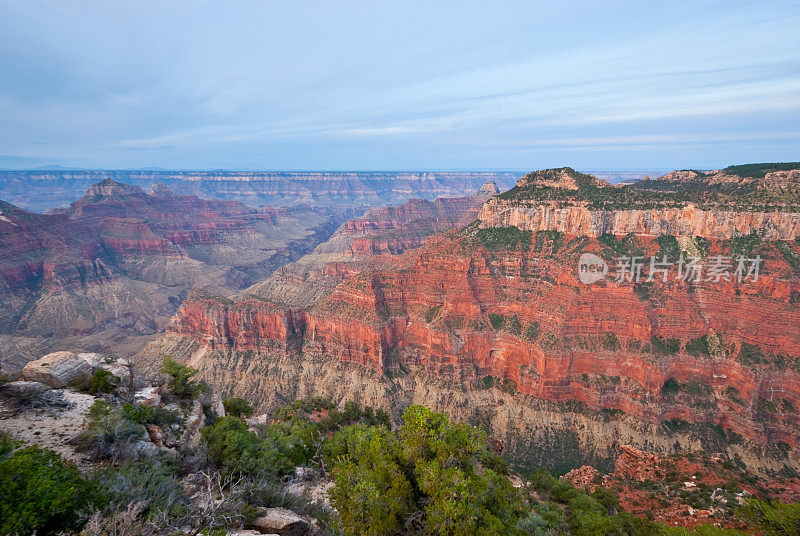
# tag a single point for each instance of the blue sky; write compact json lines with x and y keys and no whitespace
{"x":399,"y":85}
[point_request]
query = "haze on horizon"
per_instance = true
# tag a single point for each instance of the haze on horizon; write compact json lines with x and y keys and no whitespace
{"x":422,"y":85}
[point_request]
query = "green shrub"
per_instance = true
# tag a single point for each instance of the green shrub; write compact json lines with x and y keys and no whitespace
{"x":232,"y":446}
{"x":109,"y":431}
{"x":513,"y":325}
{"x":153,"y":481}
{"x":180,"y":379}
{"x":102,"y":382}
{"x":42,"y":493}
{"x":751,"y":354}
{"x":372,"y":493}
{"x":611,"y":342}
{"x":431,"y":473}
{"x":773,"y":518}
{"x":496,"y":320}
{"x":503,"y":238}
{"x":532,"y":331}
{"x":552,"y":240}
{"x":431,"y":313}
{"x":237,"y":407}
{"x":665,"y":346}
{"x":584,"y":514}
{"x":510,"y":324}
{"x":698,"y":347}
{"x":137,"y":413}
{"x":668,"y":245}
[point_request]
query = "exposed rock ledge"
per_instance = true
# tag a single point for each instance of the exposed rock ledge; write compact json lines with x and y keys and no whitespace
{"x":578,"y":219}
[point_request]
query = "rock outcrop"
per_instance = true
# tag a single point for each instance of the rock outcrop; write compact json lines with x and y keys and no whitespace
{"x":584,"y":477}
{"x":195,"y":421}
{"x":282,"y":522}
{"x":635,"y":464}
{"x":686,"y":221}
{"x":58,"y":370}
{"x":24,"y":390}
{"x":575,"y":204}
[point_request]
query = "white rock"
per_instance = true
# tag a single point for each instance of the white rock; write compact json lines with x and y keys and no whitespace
{"x":217,"y":406}
{"x":191,"y":436}
{"x":58,"y":370}
{"x":282,"y":522}
{"x":147,"y":396}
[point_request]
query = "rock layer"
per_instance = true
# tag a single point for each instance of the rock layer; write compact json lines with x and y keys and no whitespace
{"x":494,"y":326}
{"x":108,"y":272}
{"x":685,"y":221}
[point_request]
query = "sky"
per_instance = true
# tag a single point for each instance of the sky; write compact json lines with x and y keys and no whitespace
{"x":399,"y":85}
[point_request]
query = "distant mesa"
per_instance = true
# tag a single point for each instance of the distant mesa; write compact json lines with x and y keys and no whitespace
{"x":489,"y":187}
{"x":565,"y":178}
{"x":111,"y":188}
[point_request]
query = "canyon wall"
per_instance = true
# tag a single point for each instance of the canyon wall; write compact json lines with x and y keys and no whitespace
{"x":490,"y":322}
{"x":459,"y":325}
{"x":679,"y":221}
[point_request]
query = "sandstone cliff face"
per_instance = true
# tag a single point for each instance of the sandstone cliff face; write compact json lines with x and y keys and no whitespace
{"x":686,"y":221}
{"x":430,"y":314}
{"x":366,"y":242}
{"x":685,"y":203}
{"x":399,"y":228}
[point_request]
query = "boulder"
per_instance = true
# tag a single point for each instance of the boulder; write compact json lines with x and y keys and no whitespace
{"x":191,"y":436}
{"x":58,"y":370}
{"x":141,"y":448}
{"x":95,"y":360}
{"x":583,"y":477}
{"x":156,"y":434}
{"x":24,"y":389}
{"x":145,"y":448}
{"x":635,"y":464}
{"x":217,"y":406}
{"x":148,"y":397}
{"x":282,"y":522}
{"x":117,"y":367}
{"x":304,"y":474}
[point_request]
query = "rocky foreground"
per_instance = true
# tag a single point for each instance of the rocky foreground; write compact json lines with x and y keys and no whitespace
{"x":171,"y":457}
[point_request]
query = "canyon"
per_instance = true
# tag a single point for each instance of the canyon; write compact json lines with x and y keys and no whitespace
{"x":41,"y":190}
{"x":106,"y":273}
{"x":489,"y":321}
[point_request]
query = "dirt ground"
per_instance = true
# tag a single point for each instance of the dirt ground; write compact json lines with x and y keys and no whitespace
{"x":50,"y":427}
